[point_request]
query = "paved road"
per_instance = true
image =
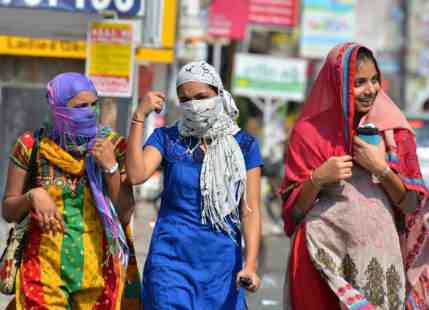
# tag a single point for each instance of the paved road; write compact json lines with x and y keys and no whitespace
{"x":270,"y":295}
{"x":275,"y":250}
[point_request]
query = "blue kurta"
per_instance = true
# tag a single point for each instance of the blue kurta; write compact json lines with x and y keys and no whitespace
{"x":191,"y":266}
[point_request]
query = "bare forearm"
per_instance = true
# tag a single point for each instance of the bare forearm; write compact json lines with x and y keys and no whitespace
{"x":15,"y":208}
{"x":113,"y":183}
{"x":394,"y":187}
{"x":126,"y":205}
{"x":134,"y":158}
{"x":252,"y":236}
{"x":306,"y":198}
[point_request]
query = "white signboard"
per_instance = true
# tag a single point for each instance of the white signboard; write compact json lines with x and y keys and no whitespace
{"x":272,"y":77}
{"x":326,"y":23}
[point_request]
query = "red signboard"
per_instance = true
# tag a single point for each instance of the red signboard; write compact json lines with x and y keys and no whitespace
{"x":228,"y":18}
{"x":280,"y":13}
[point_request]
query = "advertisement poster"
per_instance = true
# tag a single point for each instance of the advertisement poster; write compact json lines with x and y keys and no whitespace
{"x":276,"y":13}
{"x":264,"y":76}
{"x":326,"y":23}
{"x":228,"y":19}
{"x":110,"y":57}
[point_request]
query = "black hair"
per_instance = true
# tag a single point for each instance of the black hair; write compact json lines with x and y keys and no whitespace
{"x":365,"y":54}
{"x":214,"y":88}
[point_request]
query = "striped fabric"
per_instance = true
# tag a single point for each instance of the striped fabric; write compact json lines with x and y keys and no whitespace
{"x":71,"y":270}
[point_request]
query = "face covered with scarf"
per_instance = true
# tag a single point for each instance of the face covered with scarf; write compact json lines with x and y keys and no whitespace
{"x":200,"y":105}
{"x":73,"y":101}
{"x":208,"y":111}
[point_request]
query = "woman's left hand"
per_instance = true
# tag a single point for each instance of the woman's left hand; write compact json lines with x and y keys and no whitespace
{"x":251,"y":274}
{"x":369,"y":156}
{"x":103,"y":152}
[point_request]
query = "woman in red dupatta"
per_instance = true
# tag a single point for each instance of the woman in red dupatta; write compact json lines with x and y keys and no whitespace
{"x":356,"y":211}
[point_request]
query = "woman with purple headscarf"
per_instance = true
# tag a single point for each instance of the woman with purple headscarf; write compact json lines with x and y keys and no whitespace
{"x":68,"y":180}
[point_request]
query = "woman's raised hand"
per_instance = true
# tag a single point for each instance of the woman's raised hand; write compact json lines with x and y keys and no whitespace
{"x":369,"y":156}
{"x":333,"y":170}
{"x":45,"y":211}
{"x":104,"y":153}
{"x":152,"y":101}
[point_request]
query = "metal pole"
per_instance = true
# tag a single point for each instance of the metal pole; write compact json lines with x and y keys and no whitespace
{"x":134,"y":95}
{"x":217,"y":56}
{"x":268,"y":110}
{"x":268,"y":106}
{"x":403,"y":53}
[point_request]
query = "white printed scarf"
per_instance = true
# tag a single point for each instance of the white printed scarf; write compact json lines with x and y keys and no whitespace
{"x":223,"y":175}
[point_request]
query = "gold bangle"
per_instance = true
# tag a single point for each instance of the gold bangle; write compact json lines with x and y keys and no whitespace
{"x":137,"y":121}
{"x":317,"y":185}
{"x":29,"y":196}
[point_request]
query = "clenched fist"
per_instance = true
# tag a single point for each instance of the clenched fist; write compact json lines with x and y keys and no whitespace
{"x":334,"y":170}
{"x":103,"y":152}
{"x":152,"y":101}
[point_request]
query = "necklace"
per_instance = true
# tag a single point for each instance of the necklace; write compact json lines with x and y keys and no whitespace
{"x":190,"y":150}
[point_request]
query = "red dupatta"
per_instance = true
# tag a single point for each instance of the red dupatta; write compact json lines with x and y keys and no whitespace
{"x":321,"y":131}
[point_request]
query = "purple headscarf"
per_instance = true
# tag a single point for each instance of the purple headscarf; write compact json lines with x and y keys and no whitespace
{"x":66,"y":120}
{"x":75,"y":123}
{"x":65,"y":86}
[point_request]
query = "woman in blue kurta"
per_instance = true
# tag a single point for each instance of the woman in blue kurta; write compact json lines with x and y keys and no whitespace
{"x":211,"y":196}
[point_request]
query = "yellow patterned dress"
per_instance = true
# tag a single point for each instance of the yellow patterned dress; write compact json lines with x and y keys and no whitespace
{"x":71,"y":270}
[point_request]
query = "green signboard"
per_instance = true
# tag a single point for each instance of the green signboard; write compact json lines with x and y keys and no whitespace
{"x":265,"y":76}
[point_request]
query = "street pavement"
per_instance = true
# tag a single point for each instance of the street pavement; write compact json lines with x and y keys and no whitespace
{"x":274,"y":254}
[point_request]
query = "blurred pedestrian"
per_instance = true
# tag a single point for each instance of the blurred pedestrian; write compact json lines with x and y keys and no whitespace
{"x":76,"y":250}
{"x":347,"y":196}
{"x":211,"y":186}
{"x":425,"y":106}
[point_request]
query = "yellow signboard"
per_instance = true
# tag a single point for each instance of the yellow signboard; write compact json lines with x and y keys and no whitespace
{"x":24,"y":46}
{"x":110,"y":60}
{"x":169,"y":23}
{"x":33,"y":47}
{"x":157,"y":55}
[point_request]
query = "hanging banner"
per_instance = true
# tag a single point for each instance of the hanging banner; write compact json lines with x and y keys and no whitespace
{"x":121,"y":7}
{"x":228,"y":19}
{"x":110,"y":57}
{"x":326,"y":23}
{"x":264,"y":76}
{"x":25,"y":46}
{"x":277,"y":13}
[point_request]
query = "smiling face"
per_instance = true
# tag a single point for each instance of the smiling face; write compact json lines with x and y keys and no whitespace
{"x":366,"y":86}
